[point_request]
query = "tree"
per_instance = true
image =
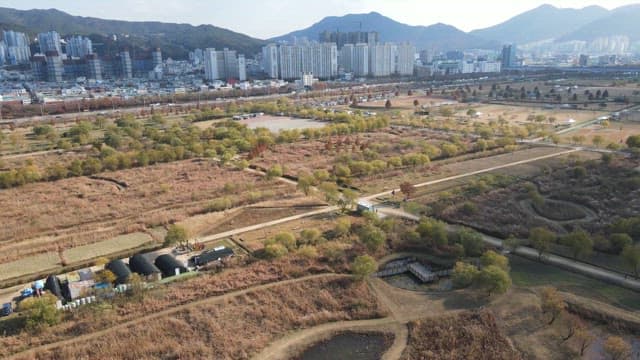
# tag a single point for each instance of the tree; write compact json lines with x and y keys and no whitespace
{"x":387,"y":105}
{"x":305,"y":183}
{"x":579,"y":242}
{"x":464,"y":274}
{"x":432,"y":232}
{"x":106,"y":276}
{"x":633,"y":141}
{"x":416,"y":103}
{"x":286,"y":239}
{"x":619,"y":241}
{"x":40,"y":312}
{"x":471,"y":241}
{"x":494,"y":280}
{"x":572,"y":324}
{"x":511,"y":243}
{"x":631,"y":256}
{"x":371,"y":237}
{"x":552,"y":303}
{"x":617,"y":348}
{"x":363,"y":266}
{"x":597,"y":140}
{"x":492,"y":258}
{"x":330,"y":190}
{"x":176,"y":234}
{"x":347,"y":200}
{"x":541,"y":239}
{"x":407,"y":189}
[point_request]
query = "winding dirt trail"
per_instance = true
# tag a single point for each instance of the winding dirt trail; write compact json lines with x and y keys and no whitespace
{"x":28,"y":354}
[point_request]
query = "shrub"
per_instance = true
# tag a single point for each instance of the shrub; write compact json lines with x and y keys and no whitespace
{"x":40,"y":312}
{"x":363,"y":266}
{"x":492,"y":258}
{"x":274,"y":251}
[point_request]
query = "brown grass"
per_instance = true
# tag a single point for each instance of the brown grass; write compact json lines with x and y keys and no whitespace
{"x":207,"y":285}
{"x":73,"y":212}
{"x":469,"y":335}
{"x":236,"y":330}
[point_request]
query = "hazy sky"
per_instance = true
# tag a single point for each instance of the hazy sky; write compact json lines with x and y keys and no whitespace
{"x":268,"y":18}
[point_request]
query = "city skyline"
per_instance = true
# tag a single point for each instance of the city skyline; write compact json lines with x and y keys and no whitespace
{"x":279,"y":17}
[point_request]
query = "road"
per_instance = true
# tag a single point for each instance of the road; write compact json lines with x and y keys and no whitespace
{"x":472,"y":173}
{"x":212,"y":300}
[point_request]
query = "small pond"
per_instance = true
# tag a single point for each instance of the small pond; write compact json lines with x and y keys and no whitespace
{"x":351,"y":346}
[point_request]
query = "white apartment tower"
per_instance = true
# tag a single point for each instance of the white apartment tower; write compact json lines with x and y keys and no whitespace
{"x":405,"y":60}
{"x":270,"y":60}
{"x":382,"y":59}
{"x":79,"y":47}
{"x":211,"y":64}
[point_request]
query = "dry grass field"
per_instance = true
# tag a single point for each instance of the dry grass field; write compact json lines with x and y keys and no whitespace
{"x":69,"y":213}
{"x":617,"y":132}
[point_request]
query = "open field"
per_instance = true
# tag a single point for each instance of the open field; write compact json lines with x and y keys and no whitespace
{"x":80,"y":211}
{"x":617,"y":133}
{"x":277,"y":123}
{"x":520,"y":115}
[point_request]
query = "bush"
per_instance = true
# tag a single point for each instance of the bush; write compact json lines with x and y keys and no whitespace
{"x":275,"y":251}
{"x":40,"y":312}
{"x":219,"y":205}
{"x":308,"y":251}
{"x":471,"y":241}
{"x":286,"y":239}
{"x":310,"y":237}
{"x":343,"y":227}
{"x":363,"y":266}
{"x":274,"y":171}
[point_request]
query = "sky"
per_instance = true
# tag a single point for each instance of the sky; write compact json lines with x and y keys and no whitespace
{"x":268,"y":18}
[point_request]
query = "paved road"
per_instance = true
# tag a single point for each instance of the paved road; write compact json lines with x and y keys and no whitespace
{"x":212,"y":300}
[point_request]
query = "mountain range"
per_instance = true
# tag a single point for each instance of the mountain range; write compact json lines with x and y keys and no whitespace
{"x":545,"y":23}
{"x":175,"y":40}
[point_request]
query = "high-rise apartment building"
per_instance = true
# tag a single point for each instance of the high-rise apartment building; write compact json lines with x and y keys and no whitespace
{"x":405,"y":59}
{"x":224,"y":65}
{"x":126,"y":66}
{"x":509,"y":59}
{"x":79,"y":47}
{"x":270,"y":61}
{"x":94,"y":67}
{"x":156,"y":57}
{"x":55,"y":68}
{"x":49,"y":41}
{"x":382,"y":59}
{"x":17,"y":47}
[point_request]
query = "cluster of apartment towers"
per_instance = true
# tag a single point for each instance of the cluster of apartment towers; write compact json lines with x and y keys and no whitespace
{"x":358,"y":53}
{"x":78,"y":59}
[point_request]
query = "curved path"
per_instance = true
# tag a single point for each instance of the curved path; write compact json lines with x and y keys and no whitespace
{"x":212,"y":300}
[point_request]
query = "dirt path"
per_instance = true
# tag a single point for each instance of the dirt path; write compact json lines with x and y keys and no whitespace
{"x":222,"y":298}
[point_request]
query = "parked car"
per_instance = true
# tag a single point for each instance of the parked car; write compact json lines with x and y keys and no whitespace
{"x":7,"y":309}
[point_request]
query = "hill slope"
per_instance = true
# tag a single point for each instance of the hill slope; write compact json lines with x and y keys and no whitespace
{"x":542,"y":23}
{"x":438,"y":36}
{"x":176,"y":40}
{"x":620,"y":21}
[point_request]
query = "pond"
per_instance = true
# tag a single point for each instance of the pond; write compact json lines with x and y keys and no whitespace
{"x":277,"y":123}
{"x":350,"y":345}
